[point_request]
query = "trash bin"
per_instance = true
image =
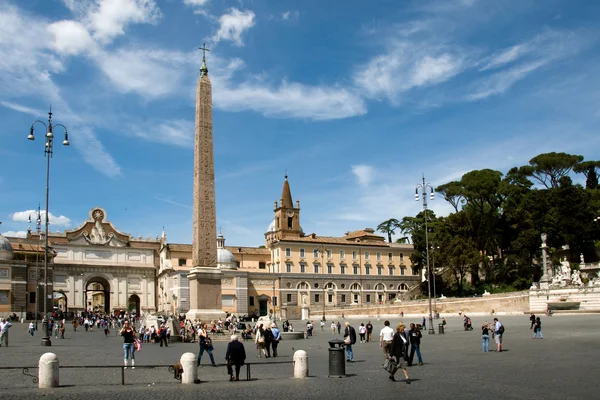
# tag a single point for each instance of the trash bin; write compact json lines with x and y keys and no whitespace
{"x":337,"y":359}
{"x":441,"y":328}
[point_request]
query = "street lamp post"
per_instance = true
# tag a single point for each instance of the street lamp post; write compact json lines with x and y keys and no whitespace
{"x":435,"y":311}
{"x":424,"y":186}
{"x":38,"y":224}
{"x":323,"y":276}
{"x":48,"y":151}
{"x":272,"y":243}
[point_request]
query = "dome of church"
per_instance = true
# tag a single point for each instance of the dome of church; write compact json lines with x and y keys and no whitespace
{"x":225,"y":256}
{"x":6,"y":250}
{"x":271,"y":227}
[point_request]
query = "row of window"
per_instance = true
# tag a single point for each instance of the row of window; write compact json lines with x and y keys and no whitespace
{"x":328,"y":254}
{"x":355,"y":269}
{"x":317,"y":297}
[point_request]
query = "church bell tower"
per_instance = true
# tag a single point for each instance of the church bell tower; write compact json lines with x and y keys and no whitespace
{"x":287,"y":217}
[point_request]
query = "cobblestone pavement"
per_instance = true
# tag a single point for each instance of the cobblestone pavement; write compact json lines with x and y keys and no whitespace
{"x":561,"y":366}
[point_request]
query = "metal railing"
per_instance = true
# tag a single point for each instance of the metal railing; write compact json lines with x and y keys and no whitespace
{"x":170,"y":368}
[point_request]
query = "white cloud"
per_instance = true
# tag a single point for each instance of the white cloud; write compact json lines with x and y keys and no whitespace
{"x":173,"y":132}
{"x":364,"y":174}
{"x":527,"y":57}
{"x":290,"y":15}
{"x":291,"y":100}
{"x":108,"y":18}
{"x":409,"y":63}
{"x":195,"y":2}
{"x":70,"y":37}
{"x":505,"y":56}
{"x":22,"y":108}
{"x":149,"y":72}
{"x":233,"y":25}
{"x":23,"y":216}
{"x":431,"y":70}
{"x":27,"y":68}
{"x":15,"y":234}
{"x":501,"y":81}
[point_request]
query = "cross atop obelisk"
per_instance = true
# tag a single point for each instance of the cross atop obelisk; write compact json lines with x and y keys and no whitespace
{"x":203,"y":68}
{"x":205,"y":277}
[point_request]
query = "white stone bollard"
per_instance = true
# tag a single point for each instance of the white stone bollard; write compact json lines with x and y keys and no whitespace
{"x":48,"y":371}
{"x":190,"y":371}
{"x":300,"y":364}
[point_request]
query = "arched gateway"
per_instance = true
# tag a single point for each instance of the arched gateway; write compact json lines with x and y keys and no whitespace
{"x":97,"y":295}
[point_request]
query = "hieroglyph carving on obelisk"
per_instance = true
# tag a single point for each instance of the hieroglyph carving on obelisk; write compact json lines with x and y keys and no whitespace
{"x":205,"y":213}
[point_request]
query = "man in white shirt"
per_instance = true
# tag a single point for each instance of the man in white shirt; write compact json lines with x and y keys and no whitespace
{"x":498,"y":332}
{"x":385,"y":338}
{"x":4,"y":325}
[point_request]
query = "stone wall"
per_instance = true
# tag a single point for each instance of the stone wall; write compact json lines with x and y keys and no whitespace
{"x":588,"y":298}
{"x":504,"y":303}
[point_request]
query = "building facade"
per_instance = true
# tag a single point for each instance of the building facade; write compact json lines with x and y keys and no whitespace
{"x":96,"y":267}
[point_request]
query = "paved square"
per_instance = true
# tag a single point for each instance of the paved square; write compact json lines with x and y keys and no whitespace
{"x":561,"y":366}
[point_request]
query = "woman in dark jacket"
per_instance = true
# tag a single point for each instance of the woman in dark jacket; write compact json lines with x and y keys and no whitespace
{"x":235,"y":355}
{"x":399,"y":350}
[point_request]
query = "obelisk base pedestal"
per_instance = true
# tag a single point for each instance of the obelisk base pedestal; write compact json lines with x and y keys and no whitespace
{"x":205,"y":294}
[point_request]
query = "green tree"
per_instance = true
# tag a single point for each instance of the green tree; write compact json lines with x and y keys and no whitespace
{"x":452,"y":192}
{"x":388,"y":227}
{"x":548,"y":168}
{"x":590,"y":170}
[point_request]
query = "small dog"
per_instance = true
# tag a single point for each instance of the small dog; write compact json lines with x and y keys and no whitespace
{"x":177,"y":371}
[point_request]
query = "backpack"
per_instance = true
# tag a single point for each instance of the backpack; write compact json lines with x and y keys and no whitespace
{"x":501,"y":330}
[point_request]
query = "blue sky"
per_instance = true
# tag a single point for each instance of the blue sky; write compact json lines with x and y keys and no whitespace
{"x":355,"y":99}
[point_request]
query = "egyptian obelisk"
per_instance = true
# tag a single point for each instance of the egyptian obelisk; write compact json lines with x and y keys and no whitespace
{"x":205,"y":277}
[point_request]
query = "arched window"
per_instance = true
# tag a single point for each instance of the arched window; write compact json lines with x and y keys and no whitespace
{"x":330,"y":286}
{"x":380,"y":287}
{"x":355,"y":287}
{"x":403,"y":287}
{"x":303,"y":286}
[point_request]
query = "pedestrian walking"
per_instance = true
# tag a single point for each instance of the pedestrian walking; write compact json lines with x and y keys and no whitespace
{"x":485,"y":337}
{"x":423,"y":323}
{"x":322,"y":323}
{"x":399,"y":350}
{"x":162,"y":334}
{"x":276,"y":338}
{"x":537,"y":328}
{"x":259,"y":339}
{"x":369,"y":331}
{"x":205,"y":345}
{"x":235,"y":356}
{"x":333,"y":328}
{"x":386,"y":335}
{"x":415,"y":336}
{"x":362,"y":332}
{"x":532,"y":320}
{"x":268,"y":334}
{"x":339,"y":327}
{"x":349,"y":340}
{"x":4,"y":327}
{"x":31,"y":328}
{"x":128,"y":333}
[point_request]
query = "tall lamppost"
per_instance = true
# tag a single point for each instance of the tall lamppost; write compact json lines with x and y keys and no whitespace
{"x":434,"y":276}
{"x":323,"y":277}
{"x":424,"y":186}
{"x":38,"y":224}
{"x":272,"y":245}
{"x":48,"y":151}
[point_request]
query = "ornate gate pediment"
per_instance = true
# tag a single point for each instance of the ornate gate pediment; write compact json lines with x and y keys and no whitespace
{"x":98,"y":231}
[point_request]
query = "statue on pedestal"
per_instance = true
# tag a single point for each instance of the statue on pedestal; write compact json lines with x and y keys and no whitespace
{"x":565,"y":269}
{"x":581,"y":259}
{"x":576,"y":278}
